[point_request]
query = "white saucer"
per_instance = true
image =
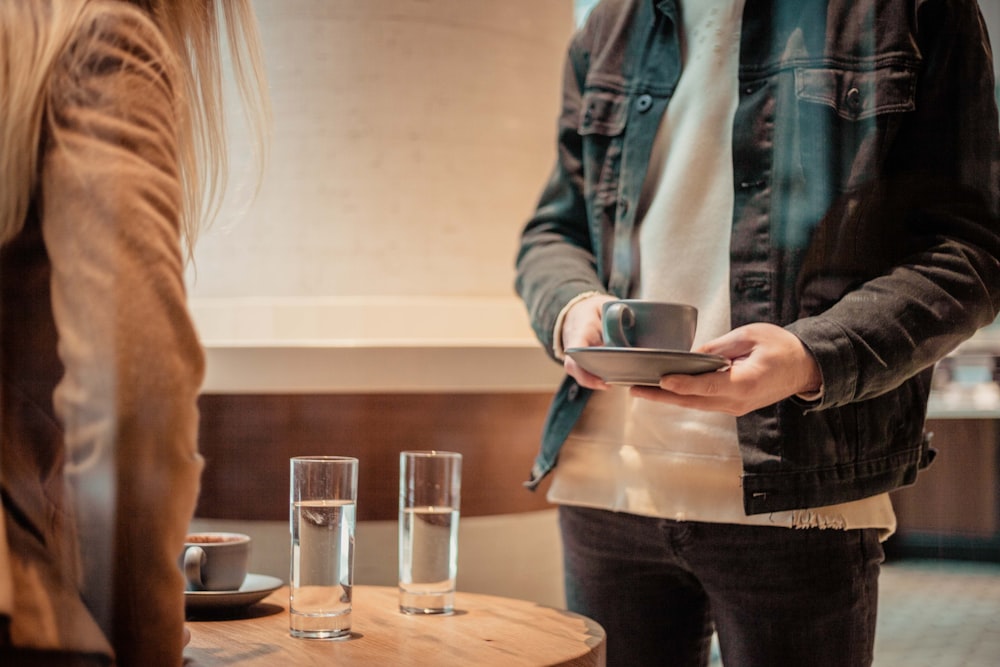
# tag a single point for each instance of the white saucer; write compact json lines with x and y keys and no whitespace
{"x":255,"y":587}
{"x":642,"y":366}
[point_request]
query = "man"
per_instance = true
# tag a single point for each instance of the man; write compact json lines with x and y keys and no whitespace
{"x":820,"y":178}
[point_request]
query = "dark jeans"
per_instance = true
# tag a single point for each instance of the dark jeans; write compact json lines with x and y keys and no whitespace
{"x":776,"y":596}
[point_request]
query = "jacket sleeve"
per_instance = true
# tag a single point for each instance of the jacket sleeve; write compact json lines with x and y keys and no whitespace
{"x":938,"y":202}
{"x":556,"y":259}
{"x":111,"y":198}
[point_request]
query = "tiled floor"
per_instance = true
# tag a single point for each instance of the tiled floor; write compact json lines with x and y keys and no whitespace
{"x":937,"y":614}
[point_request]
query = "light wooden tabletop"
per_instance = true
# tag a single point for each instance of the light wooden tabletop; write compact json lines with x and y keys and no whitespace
{"x":484,"y":630}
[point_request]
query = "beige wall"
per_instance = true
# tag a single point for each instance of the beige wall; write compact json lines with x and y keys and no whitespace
{"x":411,"y":140}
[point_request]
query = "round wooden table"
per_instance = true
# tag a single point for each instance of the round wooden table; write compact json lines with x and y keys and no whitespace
{"x":484,"y":630}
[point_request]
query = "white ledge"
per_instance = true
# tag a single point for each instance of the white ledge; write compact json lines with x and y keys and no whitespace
{"x":370,"y":344}
{"x":402,"y":344}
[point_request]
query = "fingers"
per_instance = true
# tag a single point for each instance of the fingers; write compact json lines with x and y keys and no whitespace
{"x":732,"y":345}
{"x":582,"y":326}
{"x":717,"y":392}
{"x":582,"y":377}
{"x":712,"y":396}
{"x":707,"y":384}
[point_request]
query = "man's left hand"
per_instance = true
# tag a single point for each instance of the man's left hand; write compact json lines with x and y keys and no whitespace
{"x":767,"y":364}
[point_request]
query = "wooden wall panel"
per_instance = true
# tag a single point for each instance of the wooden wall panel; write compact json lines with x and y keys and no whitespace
{"x":248,"y":439}
{"x":959,"y":494}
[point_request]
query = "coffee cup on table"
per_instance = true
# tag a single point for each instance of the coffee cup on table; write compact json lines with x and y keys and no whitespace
{"x":655,"y":325}
{"x":215,"y":561}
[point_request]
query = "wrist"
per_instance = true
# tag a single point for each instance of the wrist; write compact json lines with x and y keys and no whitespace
{"x":811,"y":387}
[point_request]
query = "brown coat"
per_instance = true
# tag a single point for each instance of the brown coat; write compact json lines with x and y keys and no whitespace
{"x":101,"y":364}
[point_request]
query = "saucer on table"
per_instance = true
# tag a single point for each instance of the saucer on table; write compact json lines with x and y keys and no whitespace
{"x":255,"y":588}
{"x":642,"y":366}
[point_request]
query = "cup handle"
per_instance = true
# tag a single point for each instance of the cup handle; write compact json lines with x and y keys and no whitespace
{"x":194,"y":558}
{"x":619,"y":321}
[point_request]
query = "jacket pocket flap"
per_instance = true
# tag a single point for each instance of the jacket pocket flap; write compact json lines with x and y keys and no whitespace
{"x":855,"y":95}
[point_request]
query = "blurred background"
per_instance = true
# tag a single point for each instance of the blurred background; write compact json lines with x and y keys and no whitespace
{"x":362,"y":303}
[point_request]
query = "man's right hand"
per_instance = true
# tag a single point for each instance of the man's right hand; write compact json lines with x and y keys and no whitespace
{"x":582,"y":328}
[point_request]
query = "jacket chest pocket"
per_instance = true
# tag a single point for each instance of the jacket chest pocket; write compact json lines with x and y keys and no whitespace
{"x":848,"y":119}
{"x":602,"y":121}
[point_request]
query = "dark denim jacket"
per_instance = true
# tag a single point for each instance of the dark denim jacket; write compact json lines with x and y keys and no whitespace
{"x":865,"y":146}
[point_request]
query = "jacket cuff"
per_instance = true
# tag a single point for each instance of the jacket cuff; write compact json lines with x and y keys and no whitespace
{"x":830,"y":346}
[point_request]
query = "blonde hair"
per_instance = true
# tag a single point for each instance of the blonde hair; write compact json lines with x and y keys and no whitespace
{"x":33,"y":36}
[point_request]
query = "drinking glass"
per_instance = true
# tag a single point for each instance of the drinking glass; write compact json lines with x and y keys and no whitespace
{"x":430,"y":485}
{"x":323,"y":501}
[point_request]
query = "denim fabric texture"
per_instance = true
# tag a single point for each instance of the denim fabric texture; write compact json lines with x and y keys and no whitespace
{"x":866,"y":150}
{"x":794,"y":598}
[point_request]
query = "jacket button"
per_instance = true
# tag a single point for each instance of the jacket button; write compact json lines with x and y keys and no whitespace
{"x":853,"y":99}
{"x":643,"y":103}
{"x":574,"y":391}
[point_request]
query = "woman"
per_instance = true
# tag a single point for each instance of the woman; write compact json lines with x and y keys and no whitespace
{"x":111,"y":143}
